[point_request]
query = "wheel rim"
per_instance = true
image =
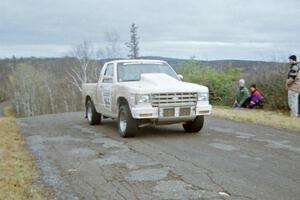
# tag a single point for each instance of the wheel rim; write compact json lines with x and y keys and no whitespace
{"x":122,"y":122}
{"x":89,"y":113}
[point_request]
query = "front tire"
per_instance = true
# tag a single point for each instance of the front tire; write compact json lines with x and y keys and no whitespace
{"x":127,"y":126}
{"x":93,"y":116}
{"x":194,"y":126}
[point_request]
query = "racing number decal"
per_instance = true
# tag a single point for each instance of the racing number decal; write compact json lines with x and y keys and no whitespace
{"x":106,"y":95}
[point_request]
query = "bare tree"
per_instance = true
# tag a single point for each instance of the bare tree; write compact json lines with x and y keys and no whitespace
{"x":133,"y":44}
{"x":51,"y":95}
{"x":84,"y":56}
{"x":32,"y":90}
{"x":112,"y":48}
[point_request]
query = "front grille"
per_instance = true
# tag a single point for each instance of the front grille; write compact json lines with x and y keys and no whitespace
{"x":184,"y":111}
{"x":169,"y":112}
{"x":174,"y":99}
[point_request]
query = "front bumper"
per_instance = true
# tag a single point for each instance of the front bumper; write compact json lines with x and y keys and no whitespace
{"x":203,"y":109}
{"x":149,"y":112}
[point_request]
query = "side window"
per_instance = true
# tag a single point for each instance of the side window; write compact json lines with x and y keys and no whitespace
{"x":108,"y":74}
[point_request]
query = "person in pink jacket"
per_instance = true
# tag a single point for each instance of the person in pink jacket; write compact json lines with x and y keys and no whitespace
{"x":255,"y":98}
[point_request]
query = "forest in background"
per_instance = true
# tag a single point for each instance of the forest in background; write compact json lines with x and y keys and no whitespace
{"x":38,"y":86}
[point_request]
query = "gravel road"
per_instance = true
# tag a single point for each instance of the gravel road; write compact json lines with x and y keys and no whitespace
{"x":227,"y":160}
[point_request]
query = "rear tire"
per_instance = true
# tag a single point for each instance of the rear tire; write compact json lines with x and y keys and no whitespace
{"x":92,"y":115}
{"x":127,"y":126}
{"x":194,"y":126}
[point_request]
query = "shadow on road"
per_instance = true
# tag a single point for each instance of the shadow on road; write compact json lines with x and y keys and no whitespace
{"x":150,"y":131}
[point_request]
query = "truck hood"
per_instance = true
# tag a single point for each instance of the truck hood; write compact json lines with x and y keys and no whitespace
{"x":161,"y":83}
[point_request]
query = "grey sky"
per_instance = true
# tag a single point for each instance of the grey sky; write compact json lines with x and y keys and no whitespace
{"x":215,"y":29}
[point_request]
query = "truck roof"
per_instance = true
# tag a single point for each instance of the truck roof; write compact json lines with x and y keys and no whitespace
{"x":137,"y":61}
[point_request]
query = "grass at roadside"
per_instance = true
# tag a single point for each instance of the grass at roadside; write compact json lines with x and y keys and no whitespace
{"x":9,"y":111}
{"x":17,"y":170}
{"x":262,"y":117}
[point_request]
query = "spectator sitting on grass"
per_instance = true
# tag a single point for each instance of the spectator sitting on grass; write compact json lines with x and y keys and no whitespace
{"x":242,"y":95}
{"x":255,"y":98}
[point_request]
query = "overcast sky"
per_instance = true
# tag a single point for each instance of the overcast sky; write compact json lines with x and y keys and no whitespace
{"x":207,"y":30}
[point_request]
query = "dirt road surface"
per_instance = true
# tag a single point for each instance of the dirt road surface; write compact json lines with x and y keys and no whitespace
{"x":227,"y":160}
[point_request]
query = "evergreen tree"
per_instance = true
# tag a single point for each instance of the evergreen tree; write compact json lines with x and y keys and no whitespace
{"x":133,"y":44}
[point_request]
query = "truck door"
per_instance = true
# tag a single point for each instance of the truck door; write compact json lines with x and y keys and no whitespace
{"x":106,"y":90}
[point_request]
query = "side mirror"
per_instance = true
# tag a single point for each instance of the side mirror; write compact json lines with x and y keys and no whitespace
{"x":107,"y":79}
{"x":180,"y":76}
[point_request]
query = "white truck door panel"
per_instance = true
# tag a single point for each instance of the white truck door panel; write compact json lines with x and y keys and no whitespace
{"x":105,"y":90}
{"x":98,"y":102}
{"x":106,"y":98}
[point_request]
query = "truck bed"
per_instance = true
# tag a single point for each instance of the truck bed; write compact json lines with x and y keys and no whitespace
{"x":88,"y":89}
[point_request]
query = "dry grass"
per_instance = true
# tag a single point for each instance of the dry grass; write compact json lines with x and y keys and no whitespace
{"x":17,"y":169}
{"x":9,"y":111}
{"x":262,"y":117}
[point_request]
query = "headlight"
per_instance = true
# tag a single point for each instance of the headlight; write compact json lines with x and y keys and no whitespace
{"x":203,"y":96}
{"x":142,"y":98}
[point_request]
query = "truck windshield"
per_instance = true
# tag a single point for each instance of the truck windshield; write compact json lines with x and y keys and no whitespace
{"x":133,"y":71}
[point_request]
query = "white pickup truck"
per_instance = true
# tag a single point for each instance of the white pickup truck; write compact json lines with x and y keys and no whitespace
{"x":140,"y":93}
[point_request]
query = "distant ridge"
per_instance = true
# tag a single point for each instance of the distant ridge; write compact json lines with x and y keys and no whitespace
{"x":246,"y":65}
